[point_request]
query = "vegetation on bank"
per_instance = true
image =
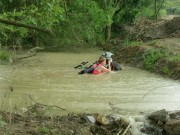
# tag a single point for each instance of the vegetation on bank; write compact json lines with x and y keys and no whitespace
{"x":4,"y":56}
{"x":150,"y":57}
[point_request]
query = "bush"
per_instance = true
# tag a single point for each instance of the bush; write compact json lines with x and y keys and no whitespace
{"x":151,"y":57}
{"x":4,"y":56}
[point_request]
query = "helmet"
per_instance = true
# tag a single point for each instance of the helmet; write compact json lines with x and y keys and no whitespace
{"x":107,"y":55}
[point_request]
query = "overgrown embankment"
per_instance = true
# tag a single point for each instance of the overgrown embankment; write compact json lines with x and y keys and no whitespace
{"x":158,"y":50}
{"x":154,"y":59}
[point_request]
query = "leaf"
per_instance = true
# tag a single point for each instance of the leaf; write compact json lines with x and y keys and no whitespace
{"x":49,"y":5}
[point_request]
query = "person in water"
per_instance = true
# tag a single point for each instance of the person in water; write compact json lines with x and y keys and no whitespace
{"x":99,"y":67}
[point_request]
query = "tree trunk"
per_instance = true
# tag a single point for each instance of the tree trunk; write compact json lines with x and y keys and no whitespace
{"x":24,"y":25}
{"x":110,"y":18}
{"x":108,"y":35}
{"x":155,"y":9}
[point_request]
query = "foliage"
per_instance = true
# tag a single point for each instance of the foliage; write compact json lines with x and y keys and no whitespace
{"x":4,"y":56}
{"x":84,"y":24}
{"x":126,"y":42}
{"x":165,"y":70}
{"x":2,"y":122}
{"x":151,"y":57}
{"x":172,"y":7}
{"x":130,"y":8}
{"x":174,"y":58}
{"x":73,"y":22}
{"x":41,"y":13}
{"x":43,"y":130}
{"x":151,"y":10}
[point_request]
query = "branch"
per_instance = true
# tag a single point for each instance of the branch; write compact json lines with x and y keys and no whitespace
{"x":160,"y":7}
{"x":24,"y":25}
{"x":113,"y":107}
{"x":44,"y":104}
{"x":118,"y":5}
{"x":126,"y":129}
{"x":27,"y":56}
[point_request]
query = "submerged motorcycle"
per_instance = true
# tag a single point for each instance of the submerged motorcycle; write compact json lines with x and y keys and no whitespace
{"x":108,"y":55}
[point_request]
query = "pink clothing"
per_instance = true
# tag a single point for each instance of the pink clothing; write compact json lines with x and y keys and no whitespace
{"x":95,"y":72}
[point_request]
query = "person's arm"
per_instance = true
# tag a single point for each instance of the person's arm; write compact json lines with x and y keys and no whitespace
{"x":107,"y":69}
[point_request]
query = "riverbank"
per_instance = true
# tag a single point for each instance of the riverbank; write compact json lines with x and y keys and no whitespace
{"x":34,"y":121}
{"x":154,"y":46}
{"x":153,"y":56}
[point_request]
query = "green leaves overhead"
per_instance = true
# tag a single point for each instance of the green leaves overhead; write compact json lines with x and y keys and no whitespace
{"x":72,"y":22}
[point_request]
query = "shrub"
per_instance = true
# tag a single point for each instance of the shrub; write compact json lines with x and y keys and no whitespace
{"x":4,"y":56}
{"x":151,"y":56}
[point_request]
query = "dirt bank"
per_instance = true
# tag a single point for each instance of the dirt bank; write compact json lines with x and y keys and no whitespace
{"x":35,"y":122}
{"x":156,"y":46}
{"x":145,"y":30}
{"x":150,"y":58}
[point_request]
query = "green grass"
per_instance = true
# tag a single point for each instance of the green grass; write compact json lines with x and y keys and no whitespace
{"x":152,"y":56}
{"x":2,"y":122}
{"x":4,"y":56}
{"x":174,"y":58}
{"x":127,"y":42}
{"x":165,"y":70}
{"x":43,"y":130}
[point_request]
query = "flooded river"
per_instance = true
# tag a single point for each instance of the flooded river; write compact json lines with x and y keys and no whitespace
{"x":50,"y":78}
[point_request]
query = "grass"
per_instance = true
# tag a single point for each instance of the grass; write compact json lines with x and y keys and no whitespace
{"x":43,"y":130}
{"x":2,"y":122}
{"x":127,"y":42}
{"x":4,"y":56}
{"x":174,"y":58}
{"x":152,"y":56}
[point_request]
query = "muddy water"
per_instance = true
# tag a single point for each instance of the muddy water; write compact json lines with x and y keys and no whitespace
{"x":49,"y":78}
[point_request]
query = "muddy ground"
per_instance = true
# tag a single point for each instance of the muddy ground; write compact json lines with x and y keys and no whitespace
{"x":35,"y":122}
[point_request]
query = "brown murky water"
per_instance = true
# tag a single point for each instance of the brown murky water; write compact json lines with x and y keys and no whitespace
{"x":50,"y":78}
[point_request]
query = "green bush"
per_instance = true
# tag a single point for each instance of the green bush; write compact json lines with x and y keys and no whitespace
{"x":128,"y":42}
{"x":4,"y":56}
{"x":43,"y":130}
{"x":151,"y":56}
{"x":165,"y":70}
{"x":174,"y":58}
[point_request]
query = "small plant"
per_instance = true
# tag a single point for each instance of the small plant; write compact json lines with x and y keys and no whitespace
{"x":2,"y":122}
{"x":4,"y":56}
{"x":165,"y":70}
{"x":43,"y":130}
{"x":174,"y":58}
{"x":153,"y":43}
{"x":128,"y":42}
{"x":151,"y":56}
{"x":136,"y":43}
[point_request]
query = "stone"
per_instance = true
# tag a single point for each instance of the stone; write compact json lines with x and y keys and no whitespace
{"x":161,"y":115}
{"x":174,"y":115}
{"x":172,"y":127}
{"x":160,"y":123}
{"x":90,"y":119}
{"x":115,"y":116}
{"x":102,"y":120}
